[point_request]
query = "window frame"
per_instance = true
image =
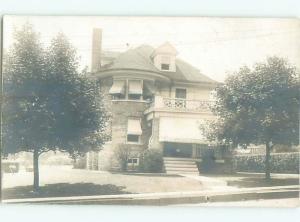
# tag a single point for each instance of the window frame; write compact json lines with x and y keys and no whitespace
{"x":133,"y":142}
{"x":164,"y":69}
{"x":130,"y":161}
{"x":128,"y":134}
{"x":127,"y":96}
{"x":180,"y":88}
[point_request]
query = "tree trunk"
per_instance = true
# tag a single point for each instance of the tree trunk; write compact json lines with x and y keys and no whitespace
{"x":267,"y":161}
{"x":36,"y":175}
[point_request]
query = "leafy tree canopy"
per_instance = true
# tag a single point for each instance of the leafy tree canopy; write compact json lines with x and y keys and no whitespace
{"x":49,"y":104}
{"x":258,"y":105}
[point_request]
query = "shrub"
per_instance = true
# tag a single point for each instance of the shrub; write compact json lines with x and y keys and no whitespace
{"x":122,"y":154}
{"x":151,"y":161}
{"x":280,"y":163}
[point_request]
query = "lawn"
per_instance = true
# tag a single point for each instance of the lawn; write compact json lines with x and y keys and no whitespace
{"x":65,"y":181}
{"x":62,"y":190}
{"x":244,"y":180}
{"x":62,"y":181}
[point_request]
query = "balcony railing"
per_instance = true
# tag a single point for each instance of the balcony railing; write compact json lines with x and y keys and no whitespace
{"x":175,"y":104}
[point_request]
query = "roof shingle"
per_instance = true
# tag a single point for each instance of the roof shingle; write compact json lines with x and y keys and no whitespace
{"x":140,"y":59}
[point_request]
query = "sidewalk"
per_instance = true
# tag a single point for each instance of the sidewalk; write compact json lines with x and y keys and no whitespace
{"x":168,"y":198}
{"x":274,"y":175}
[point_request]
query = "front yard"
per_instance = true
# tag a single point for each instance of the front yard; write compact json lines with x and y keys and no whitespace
{"x":65,"y":181}
{"x":62,"y":181}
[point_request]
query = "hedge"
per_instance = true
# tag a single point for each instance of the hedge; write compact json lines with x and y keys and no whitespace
{"x":280,"y":163}
{"x":151,"y":161}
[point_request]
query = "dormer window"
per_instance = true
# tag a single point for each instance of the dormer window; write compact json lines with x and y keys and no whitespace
{"x":165,"y":63}
{"x":165,"y":66}
{"x":164,"y":58}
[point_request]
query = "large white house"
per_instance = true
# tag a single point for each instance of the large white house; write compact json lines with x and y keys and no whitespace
{"x":157,"y":101}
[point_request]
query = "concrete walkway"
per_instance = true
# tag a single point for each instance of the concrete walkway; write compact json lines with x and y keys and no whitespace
{"x":208,"y":182}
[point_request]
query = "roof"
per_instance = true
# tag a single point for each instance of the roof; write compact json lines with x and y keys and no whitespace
{"x":140,"y":59}
{"x":165,"y":48}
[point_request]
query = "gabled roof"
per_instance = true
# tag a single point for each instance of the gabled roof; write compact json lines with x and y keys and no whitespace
{"x":165,"y":48}
{"x":140,"y":59}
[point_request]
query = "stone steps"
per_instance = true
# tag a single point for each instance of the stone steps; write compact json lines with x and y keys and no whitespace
{"x":177,"y":166}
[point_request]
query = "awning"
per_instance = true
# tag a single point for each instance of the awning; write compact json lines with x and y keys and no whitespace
{"x":134,"y":127}
{"x":180,"y":130}
{"x":149,"y":88}
{"x":118,"y":87}
{"x":135,"y":87}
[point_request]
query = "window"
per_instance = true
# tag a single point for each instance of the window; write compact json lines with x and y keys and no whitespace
{"x":118,"y":87}
{"x":118,"y":96}
{"x":135,"y":89}
{"x":180,"y":93}
{"x":132,"y":89}
{"x":133,"y":138}
{"x":134,"y":130}
{"x":134,"y":97}
{"x":132,"y":163}
{"x":165,"y":66}
{"x":165,"y":63}
{"x":133,"y":160}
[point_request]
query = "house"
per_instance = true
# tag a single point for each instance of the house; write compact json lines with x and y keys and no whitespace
{"x":157,"y":101}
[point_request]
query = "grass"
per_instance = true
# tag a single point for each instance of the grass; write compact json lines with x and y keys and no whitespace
{"x":262,"y":182}
{"x":242,"y":180}
{"x":62,"y":190}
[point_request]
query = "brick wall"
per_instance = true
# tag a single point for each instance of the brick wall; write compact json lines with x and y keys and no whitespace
{"x":120,"y":111}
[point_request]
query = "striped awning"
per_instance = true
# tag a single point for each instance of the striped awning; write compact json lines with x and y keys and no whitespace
{"x":134,"y":127}
{"x":135,"y":87}
{"x":118,"y":87}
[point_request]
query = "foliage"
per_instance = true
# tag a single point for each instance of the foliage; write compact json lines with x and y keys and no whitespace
{"x":151,"y":161}
{"x":280,"y":163}
{"x":49,"y":104}
{"x":258,"y":105}
{"x":122,"y":153}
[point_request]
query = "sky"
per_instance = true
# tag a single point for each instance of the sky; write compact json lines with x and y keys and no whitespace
{"x":216,"y":46}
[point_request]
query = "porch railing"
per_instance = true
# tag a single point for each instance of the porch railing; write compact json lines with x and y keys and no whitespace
{"x":181,"y":104}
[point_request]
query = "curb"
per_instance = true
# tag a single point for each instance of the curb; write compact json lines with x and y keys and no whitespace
{"x":163,"y":199}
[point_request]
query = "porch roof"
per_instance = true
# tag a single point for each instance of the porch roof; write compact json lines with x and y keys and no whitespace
{"x":181,"y":130}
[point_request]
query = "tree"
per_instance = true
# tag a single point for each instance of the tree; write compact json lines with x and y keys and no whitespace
{"x":258,"y":106}
{"x":49,"y":104}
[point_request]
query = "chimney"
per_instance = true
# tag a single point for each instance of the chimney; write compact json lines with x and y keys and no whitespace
{"x":96,"y":49}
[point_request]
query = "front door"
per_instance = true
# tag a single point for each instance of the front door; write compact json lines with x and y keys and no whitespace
{"x":183,"y":150}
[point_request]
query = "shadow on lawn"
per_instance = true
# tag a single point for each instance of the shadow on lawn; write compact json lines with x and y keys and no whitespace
{"x":148,"y":174}
{"x":262,"y":182}
{"x":63,"y":190}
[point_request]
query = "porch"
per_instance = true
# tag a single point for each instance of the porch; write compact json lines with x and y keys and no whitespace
{"x":179,"y":105}
{"x":189,"y":158}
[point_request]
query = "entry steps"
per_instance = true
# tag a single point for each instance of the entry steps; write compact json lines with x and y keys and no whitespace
{"x":174,"y":165}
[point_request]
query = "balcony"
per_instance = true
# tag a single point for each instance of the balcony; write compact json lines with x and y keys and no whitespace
{"x":179,"y":105}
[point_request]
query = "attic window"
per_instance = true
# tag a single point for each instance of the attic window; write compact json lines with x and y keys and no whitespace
{"x":165,"y":66}
{"x":165,"y":63}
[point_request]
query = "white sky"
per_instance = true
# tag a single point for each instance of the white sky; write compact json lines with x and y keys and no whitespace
{"x":216,"y":46}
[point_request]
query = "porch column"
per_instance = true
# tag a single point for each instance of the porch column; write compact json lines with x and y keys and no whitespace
{"x":155,"y":144}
